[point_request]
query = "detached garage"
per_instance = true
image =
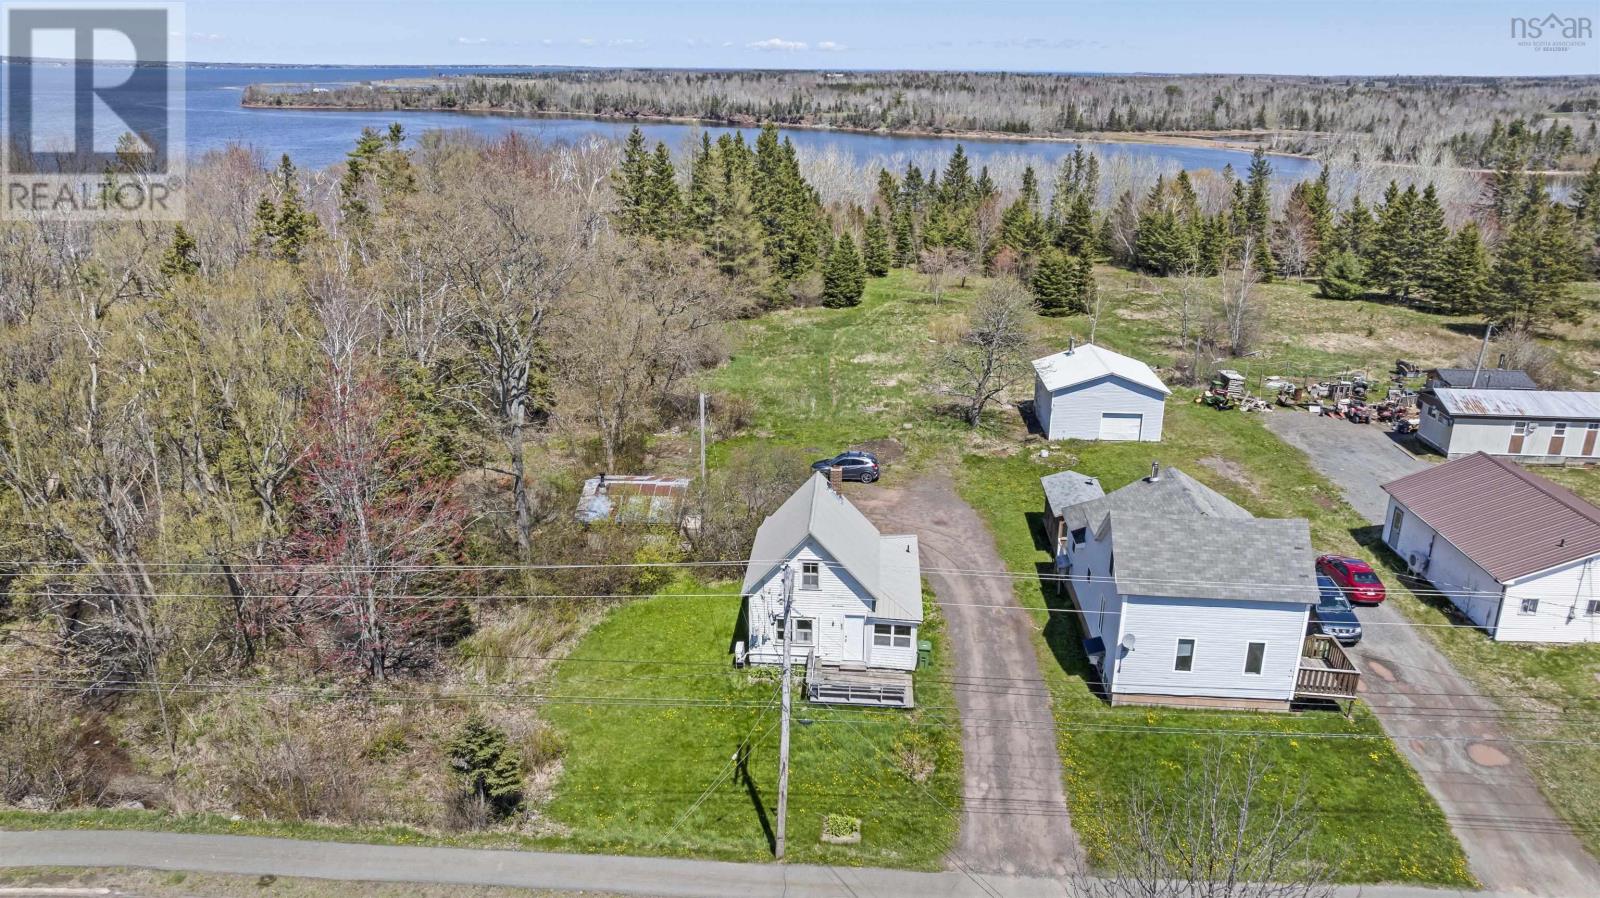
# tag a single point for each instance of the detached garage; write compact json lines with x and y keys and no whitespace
{"x":1092,"y":393}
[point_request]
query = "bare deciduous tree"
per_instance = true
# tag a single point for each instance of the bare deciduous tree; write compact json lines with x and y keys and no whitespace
{"x":988,"y":357}
{"x":1223,"y":831}
{"x":1240,"y":311}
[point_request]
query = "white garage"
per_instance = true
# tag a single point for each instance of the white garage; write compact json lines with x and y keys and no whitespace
{"x":1092,"y":393}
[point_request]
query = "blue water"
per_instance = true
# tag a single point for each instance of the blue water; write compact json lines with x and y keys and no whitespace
{"x":315,"y":139}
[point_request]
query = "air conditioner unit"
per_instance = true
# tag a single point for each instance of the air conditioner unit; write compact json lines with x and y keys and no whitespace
{"x":1417,"y":562}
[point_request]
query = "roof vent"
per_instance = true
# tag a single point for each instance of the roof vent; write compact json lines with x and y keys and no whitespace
{"x":1155,"y":472}
{"x":1072,"y":342}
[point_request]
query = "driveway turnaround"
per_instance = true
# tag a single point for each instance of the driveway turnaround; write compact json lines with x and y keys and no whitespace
{"x":1514,"y":840}
{"x":644,"y":876}
{"x":1015,"y":817}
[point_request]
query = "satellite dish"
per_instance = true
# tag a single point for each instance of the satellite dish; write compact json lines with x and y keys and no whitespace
{"x":1127,"y":642}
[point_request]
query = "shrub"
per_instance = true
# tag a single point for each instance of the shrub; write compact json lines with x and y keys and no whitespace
{"x":490,"y":768}
{"x":1343,"y":277}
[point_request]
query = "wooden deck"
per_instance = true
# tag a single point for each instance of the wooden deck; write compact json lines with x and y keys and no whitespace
{"x":837,"y":685}
{"x":1326,"y":672}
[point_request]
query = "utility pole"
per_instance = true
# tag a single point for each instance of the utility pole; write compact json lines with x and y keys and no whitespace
{"x":1487,"y":330}
{"x":702,"y":440}
{"x":783,"y":737}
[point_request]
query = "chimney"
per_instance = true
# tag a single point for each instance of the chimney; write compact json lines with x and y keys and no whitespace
{"x":1072,"y":342}
{"x":1155,"y":472}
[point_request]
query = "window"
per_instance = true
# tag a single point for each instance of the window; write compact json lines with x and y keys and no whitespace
{"x":1594,"y":608}
{"x":810,"y":576}
{"x":1254,"y":654}
{"x":1080,"y":536}
{"x":1519,"y":429}
{"x":803,"y":631}
{"x":1530,"y":606}
{"x":1185,"y":659}
{"x":891,"y":635}
{"x":1560,"y":429}
{"x":1395,"y":520}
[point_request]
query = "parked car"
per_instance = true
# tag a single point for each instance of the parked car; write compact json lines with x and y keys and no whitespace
{"x":1332,"y":615}
{"x":856,"y":465}
{"x":1354,"y":576}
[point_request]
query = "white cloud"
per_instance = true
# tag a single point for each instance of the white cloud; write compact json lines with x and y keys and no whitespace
{"x":199,"y":37}
{"x":472,"y":40}
{"x":727,"y":43}
{"x":627,"y":42}
{"x":777,"y":43}
{"x":547,"y":42}
{"x":832,"y":46}
{"x":585,"y":41}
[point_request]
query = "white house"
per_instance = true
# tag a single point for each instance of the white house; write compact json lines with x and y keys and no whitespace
{"x":856,"y":598}
{"x":1534,"y":426}
{"x":1092,"y":393}
{"x":1188,"y":600}
{"x":1516,"y":553}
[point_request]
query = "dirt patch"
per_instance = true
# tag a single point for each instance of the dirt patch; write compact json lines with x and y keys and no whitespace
{"x":1381,"y":670}
{"x":1232,"y":471}
{"x":888,"y":450}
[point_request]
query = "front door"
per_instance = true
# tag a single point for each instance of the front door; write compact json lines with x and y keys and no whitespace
{"x":1519,"y":433}
{"x":855,"y":638}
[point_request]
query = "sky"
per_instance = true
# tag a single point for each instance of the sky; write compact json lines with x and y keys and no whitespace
{"x":1311,"y":37}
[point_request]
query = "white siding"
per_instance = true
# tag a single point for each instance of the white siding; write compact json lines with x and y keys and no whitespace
{"x":1074,"y":412}
{"x":1222,"y":630}
{"x":1434,"y":426}
{"x":1464,"y":436}
{"x":1041,"y":405}
{"x":837,"y":594}
{"x":1097,"y":598}
{"x":1563,"y":593}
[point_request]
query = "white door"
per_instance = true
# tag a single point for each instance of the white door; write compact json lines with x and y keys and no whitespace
{"x":1120,"y":425}
{"x":855,"y":638}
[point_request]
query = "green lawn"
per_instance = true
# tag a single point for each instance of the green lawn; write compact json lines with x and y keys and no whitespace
{"x":1375,"y":818}
{"x":633,"y":775}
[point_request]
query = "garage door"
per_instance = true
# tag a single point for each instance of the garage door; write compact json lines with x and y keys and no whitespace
{"x":1120,"y":426}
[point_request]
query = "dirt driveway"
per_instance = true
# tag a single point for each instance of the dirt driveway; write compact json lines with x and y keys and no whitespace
{"x":1514,"y":840}
{"x":1015,"y":817}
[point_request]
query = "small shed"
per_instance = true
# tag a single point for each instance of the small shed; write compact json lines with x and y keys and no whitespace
{"x":1092,"y":393}
{"x":1063,"y":490}
{"x":1532,"y":426}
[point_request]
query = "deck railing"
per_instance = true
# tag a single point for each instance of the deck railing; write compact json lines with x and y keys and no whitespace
{"x":1325,"y":670}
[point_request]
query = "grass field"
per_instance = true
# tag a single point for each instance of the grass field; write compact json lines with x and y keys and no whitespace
{"x":643,"y":779}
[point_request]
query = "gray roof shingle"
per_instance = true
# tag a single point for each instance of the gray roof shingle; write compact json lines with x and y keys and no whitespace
{"x":1200,"y":557}
{"x":1488,"y":378}
{"x":1065,"y":489}
{"x":1173,"y":493}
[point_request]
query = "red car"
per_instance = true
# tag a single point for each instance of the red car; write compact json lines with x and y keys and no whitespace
{"x":1354,"y":576}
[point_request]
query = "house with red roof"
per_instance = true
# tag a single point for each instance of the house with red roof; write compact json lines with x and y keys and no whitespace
{"x":1517,"y":554}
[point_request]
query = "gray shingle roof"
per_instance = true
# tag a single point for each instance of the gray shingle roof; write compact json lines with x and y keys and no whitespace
{"x":1201,"y":557}
{"x":1065,"y":489}
{"x":1174,"y":493}
{"x":879,"y":563}
{"x":1488,"y":378}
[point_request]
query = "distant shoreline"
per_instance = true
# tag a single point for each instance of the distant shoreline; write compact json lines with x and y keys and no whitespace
{"x":1217,"y":140}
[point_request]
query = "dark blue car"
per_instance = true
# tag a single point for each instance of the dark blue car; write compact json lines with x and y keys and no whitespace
{"x":1333,"y":615}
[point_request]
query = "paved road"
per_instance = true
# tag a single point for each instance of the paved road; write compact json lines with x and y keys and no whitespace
{"x":1514,"y":840}
{"x":1015,"y":819}
{"x":659,"y":877}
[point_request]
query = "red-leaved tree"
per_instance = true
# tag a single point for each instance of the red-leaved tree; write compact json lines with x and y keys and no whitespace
{"x":365,"y":563}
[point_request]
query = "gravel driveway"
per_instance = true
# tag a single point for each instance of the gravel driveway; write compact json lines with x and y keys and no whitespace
{"x":1359,"y":458}
{"x":1015,"y":818}
{"x":1514,"y":840}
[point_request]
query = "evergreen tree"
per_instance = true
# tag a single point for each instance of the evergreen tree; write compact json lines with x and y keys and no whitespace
{"x":1343,"y":276}
{"x":490,"y":767}
{"x":284,"y":227}
{"x":905,"y":240}
{"x":843,"y":278}
{"x":1355,"y":229}
{"x":888,"y":190}
{"x":1055,"y":283}
{"x":1319,"y":209}
{"x":875,"y":246}
{"x":1430,"y":239}
{"x":1538,"y":258}
{"x":1258,"y":212}
{"x":663,"y":209}
{"x":631,"y":184}
{"x":1464,"y":283}
{"x":182,"y":257}
{"x":1083,"y":281}
{"x":1390,"y":262}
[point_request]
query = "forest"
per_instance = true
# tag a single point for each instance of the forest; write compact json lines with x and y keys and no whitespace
{"x":1432,"y":121}
{"x":324,"y":438}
